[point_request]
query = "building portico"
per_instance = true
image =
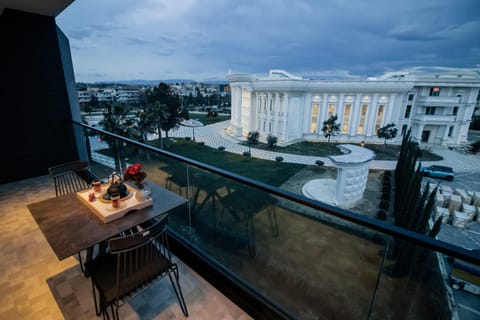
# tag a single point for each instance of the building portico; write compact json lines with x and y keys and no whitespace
{"x":294,"y":109}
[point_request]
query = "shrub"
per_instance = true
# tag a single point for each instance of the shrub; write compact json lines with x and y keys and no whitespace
{"x":201,"y":143}
{"x":387,"y":173}
{"x":386,"y":189}
{"x":319,"y":162}
{"x":279,"y":159}
{"x":246,"y":153}
{"x":188,"y":138}
{"x":386,"y":196}
{"x":221,"y":148}
{"x":271,"y":140}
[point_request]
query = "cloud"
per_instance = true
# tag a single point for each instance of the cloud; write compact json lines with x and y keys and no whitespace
{"x":200,"y":38}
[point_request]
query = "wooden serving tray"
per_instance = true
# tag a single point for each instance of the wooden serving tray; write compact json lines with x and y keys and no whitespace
{"x":103,"y":209}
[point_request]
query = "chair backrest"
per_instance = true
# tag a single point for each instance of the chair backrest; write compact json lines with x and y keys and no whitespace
{"x":71,"y":177}
{"x":140,"y":258}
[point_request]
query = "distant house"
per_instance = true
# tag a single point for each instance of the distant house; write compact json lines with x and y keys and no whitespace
{"x":437,"y":107}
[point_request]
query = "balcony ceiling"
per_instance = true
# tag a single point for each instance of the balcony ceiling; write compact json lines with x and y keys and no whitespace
{"x":50,"y":8}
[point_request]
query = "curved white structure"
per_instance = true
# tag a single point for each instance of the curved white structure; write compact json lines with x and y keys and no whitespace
{"x":438,"y":108}
{"x":352,"y":176}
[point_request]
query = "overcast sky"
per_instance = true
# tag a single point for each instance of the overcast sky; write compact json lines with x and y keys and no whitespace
{"x":204,"y":39}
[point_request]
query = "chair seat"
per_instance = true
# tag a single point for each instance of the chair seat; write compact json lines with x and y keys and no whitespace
{"x":103,"y":271}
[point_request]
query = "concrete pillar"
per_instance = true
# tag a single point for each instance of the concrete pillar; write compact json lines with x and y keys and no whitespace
{"x":352,"y":174}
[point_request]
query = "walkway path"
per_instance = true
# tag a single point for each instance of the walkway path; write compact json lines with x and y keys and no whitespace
{"x":215,"y":135}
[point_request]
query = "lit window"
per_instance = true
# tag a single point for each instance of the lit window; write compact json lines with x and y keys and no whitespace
{"x":346,"y":118}
{"x":313,"y":126}
{"x":331,"y":109}
{"x":363,"y":116}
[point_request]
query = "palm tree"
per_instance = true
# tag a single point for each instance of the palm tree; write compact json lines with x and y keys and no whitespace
{"x":115,"y":120}
{"x":153,"y":118}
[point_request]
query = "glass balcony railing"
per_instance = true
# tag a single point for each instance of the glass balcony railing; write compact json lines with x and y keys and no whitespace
{"x":312,"y":260}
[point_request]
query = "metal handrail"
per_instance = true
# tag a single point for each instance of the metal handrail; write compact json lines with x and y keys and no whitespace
{"x":394,"y":231}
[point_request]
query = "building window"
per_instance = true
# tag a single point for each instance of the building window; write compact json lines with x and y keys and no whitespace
{"x":331,"y":109}
{"x":269,"y":127}
{"x":407,"y":111}
{"x":313,"y":126}
{"x":450,"y":131}
{"x":363,"y":116}
{"x":455,"y":111}
{"x":404,"y":129}
{"x":346,"y":118}
{"x":434,"y":92}
{"x":410,"y":97}
{"x":430,"y":111}
{"x":378,"y":122}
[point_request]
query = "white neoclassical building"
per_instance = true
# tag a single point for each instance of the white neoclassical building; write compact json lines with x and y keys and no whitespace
{"x":438,"y":107}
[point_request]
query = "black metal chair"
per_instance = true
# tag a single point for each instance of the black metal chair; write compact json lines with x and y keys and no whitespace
{"x":132,"y":265}
{"x":69,"y":178}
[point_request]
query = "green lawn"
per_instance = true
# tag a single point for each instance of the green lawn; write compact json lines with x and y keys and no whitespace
{"x":323,"y":149}
{"x":271,"y":172}
{"x":206,"y":120}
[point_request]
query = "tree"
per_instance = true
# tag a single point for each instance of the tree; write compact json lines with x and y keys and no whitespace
{"x":271,"y":140}
{"x":115,"y":120}
{"x":412,"y":209}
{"x":162,"y":98}
{"x":330,"y":127}
{"x":252,"y":138}
{"x":152,"y":118}
{"x":387,"y":132}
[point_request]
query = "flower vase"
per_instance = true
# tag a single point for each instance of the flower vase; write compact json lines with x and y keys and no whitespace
{"x":142,"y":192}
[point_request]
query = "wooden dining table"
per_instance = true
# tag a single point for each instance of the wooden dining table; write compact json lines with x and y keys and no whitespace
{"x":70,"y":226}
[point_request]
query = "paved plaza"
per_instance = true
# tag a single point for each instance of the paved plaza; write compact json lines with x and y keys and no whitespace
{"x":215,"y":135}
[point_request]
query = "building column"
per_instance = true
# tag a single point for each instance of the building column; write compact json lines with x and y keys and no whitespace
{"x":370,"y":127}
{"x":276,"y":108}
{"x":307,"y":113}
{"x":239,"y":114}
{"x":355,"y":116}
{"x":391,"y":104}
{"x":285,"y":117}
{"x":269,"y":112}
{"x":323,"y":110}
{"x":258,"y":110}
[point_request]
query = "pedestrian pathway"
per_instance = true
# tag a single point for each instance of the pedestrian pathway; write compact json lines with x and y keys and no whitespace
{"x":215,"y":135}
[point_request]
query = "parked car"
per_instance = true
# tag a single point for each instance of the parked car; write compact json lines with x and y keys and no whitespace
{"x":441,"y":172}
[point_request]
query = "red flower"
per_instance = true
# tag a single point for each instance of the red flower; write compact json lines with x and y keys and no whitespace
{"x":134,"y":172}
